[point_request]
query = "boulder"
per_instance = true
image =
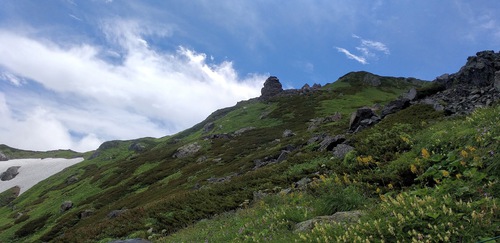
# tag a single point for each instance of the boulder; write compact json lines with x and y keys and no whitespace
{"x":85,"y":213}
{"x":116,"y":213}
{"x":411,"y":94}
{"x":10,"y":173}
{"x":283,"y":156}
{"x":288,"y":133}
{"x":187,"y":150}
{"x":65,"y":206}
{"x":329,"y":142}
{"x":339,"y":217}
{"x":72,"y":179}
{"x":242,"y":130}
{"x":480,"y":69}
{"x":271,"y":88}
{"x":395,"y":106}
{"x":362,"y":118}
{"x":341,"y":150}
{"x":3,"y":157}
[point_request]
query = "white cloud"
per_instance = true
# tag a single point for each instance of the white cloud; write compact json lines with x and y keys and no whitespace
{"x":367,"y":48}
{"x":149,"y":93}
{"x":11,"y":78}
{"x":349,"y":55}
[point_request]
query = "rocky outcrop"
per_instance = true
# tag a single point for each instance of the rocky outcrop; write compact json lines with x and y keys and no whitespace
{"x":496,"y":85}
{"x":65,"y":206}
{"x":136,"y":147}
{"x":271,"y":88}
{"x":362,"y":118}
{"x":3,"y":157}
{"x":372,"y":79}
{"x":187,"y":150}
{"x":116,"y":213}
{"x":480,"y":69}
{"x":341,"y":150}
{"x":395,"y":106}
{"x":10,"y":173}
{"x":339,"y":217}
{"x":85,"y":213}
{"x":329,"y":142}
{"x":208,"y":127}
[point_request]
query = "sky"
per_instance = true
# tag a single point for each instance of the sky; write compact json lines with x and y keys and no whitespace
{"x":76,"y":73}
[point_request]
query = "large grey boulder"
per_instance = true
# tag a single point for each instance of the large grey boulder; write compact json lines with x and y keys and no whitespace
{"x":65,"y":206}
{"x":329,"y":142}
{"x":187,"y":150}
{"x":10,"y":173}
{"x":272,"y":87}
{"x":480,"y":69}
{"x":395,"y":106}
{"x":341,"y":150}
{"x":3,"y":157}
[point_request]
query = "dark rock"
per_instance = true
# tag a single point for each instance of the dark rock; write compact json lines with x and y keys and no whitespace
{"x":85,"y":213}
{"x":288,"y":133}
{"x":348,"y":217}
{"x":341,"y":150}
{"x":316,"y":138}
{"x":362,"y":118}
{"x":316,"y":86}
{"x":271,"y":88}
{"x":302,"y":183}
{"x":283,"y":156}
{"x":306,"y":88}
{"x":10,"y":173}
{"x":187,"y":150}
{"x":138,"y":240}
{"x":329,"y":142}
{"x":116,"y":213}
{"x":497,"y":81}
{"x":65,"y":206}
{"x":3,"y":157}
{"x":208,"y":127}
{"x":136,"y":147}
{"x":480,"y":69}
{"x":395,"y":106}
{"x":219,"y":136}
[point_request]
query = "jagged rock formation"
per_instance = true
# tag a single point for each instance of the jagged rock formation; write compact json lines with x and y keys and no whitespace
{"x":187,"y":150}
{"x":362,"y":118}
{"x":271,"y":88}
{"x":10,"y":173}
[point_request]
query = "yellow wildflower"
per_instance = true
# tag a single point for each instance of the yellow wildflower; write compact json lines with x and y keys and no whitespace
{"x":445,"y":173}
{"x":425,"y":153}
{"x":458,"y":176}
{"x":464,"y":153}
{"x":413,"y":169}
{"x":390,"y":186}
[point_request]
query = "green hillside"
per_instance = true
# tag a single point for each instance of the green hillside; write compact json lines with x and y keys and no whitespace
{"x":255,"y":171}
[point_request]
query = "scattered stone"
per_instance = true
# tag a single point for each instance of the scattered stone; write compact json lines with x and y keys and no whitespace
{"x":65,"y":206}
{"x":243,"y":130}
{"x":72,"y":179}
{"x":288,"y":133}
{"x":10,"y":173}
{"x":86,"y":213}
{"x":3,"y":157}
{"x":302,"y":183}
{"x":187,"y":150}
{"x":271,"y":88}
{"x":411,"y":95}
{"x":362,"y":118}
{"x":339,"y":217}
{"x":116,"y":213}
{"x":316,"y":138}
{"x":329,"y":142}
{"x":201,"y":159}
{"x":341,"y":150}
{"x":283,"y":156}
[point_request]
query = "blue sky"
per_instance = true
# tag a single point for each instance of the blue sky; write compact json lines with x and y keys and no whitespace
{"x":76,"y":73}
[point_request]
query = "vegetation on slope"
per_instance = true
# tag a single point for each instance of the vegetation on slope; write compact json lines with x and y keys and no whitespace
{"x":151,"y":193}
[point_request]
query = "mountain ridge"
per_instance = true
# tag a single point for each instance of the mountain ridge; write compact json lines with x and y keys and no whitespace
{"x":295,"y":154}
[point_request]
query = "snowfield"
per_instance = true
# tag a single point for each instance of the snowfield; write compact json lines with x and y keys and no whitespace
{"x":33,"y":171}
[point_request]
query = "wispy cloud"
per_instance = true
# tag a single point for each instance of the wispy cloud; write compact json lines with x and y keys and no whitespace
{"x":349,"y":55}
{"x":368,"y":50}
{"x":82,"y":100}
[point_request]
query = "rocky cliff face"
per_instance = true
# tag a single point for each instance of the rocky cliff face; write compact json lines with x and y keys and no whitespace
{"x":271,"y":88}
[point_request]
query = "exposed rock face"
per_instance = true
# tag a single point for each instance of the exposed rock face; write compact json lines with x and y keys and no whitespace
{"x":349,"y":216}
{"x":10,"y":173}
{"x":480,"y":69}
{"x":187,"y":150}
{"x":395,"y":106}
{"x":3,"y":157}
{"x":272,"y":87}
{"x":331,"y":142}
{"x":136,"y":147}
{"x":362,"y":118}
{"x":208,"y":127}
{"x":65,"y":206}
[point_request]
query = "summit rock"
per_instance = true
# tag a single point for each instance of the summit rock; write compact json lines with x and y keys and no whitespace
{"x":271,"y":88}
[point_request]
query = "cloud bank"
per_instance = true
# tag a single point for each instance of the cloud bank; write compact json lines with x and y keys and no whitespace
{"x":78,"y":95}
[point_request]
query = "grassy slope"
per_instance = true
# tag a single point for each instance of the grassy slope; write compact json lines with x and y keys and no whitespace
{"x":13,"y":153}
{"x":159,"y":193}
